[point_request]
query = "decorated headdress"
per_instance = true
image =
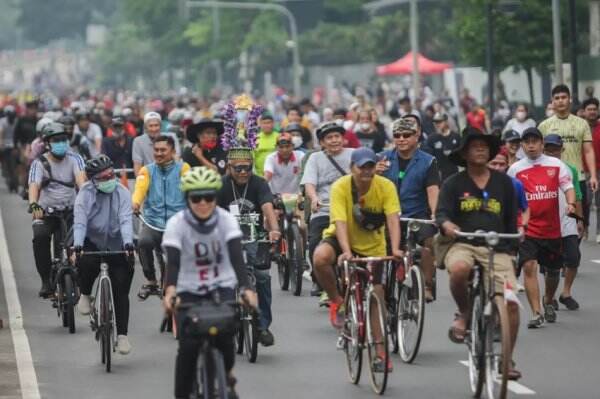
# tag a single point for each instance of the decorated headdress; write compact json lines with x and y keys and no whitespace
{"x":241,"y":127}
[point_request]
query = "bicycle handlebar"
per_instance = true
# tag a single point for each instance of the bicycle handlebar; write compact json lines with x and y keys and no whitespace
{"x":420,"y":221}
{"x":491,"y":237}
{"x":151,"y":227}
{"x":103,"y":253}
{"x":371,"y":259}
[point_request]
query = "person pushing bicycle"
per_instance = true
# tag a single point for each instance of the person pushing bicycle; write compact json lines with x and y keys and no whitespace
{"x":103,"y":222}
{"x":203,"y":244}
{"x":478,"y":198}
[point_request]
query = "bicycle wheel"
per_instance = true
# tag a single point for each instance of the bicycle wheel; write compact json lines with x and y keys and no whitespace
{"x":475,"y":343}
{"x":377,"y":347}
{"x":106,"y":323}
{"x":295,"y":259}
{"x":283,"y":266}
{"x":239,"y":337}
{"x":411,"y":314}
{"x":497,"y":352}
{"x":68,"y":303}
{"x":393,"y":302}
{"x":250,"y":324}
{"x":353,"y":341}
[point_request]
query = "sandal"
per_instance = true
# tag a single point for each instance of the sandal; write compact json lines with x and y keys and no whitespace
{"x":457,"y":334}
{"x":513,"y":373}
{"x":148,"y":289}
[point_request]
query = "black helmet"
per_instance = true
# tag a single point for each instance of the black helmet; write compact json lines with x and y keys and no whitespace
{"x":97,"y":164}
{"x":293,"y":127}
{"x":329,"y":127}
{"x":53,"y":129}
{"x":66,"y":120}
{"x":118,"y":121}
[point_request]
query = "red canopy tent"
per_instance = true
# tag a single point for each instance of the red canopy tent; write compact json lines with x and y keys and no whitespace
{"x":404,"y":66}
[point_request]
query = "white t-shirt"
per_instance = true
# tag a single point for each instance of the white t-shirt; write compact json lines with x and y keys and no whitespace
{"x":286,"y":176}
{"x":92,"y":134}
{"x":517,"y":126}
{"x":204,"y":262}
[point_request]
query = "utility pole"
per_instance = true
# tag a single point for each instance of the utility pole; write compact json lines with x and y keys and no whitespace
{"x":557,"y":41}
{"x":490,"y":56}
{"x":573,"y":48}
{"x":414,"y":47}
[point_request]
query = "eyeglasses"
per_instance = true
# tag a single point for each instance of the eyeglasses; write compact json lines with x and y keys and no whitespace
{"x":242,"y":168}
{"x":197,"y":198}
{"x":403,"y":135}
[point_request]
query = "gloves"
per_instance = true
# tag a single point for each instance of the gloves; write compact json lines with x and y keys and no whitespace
{"x":35,"y":207}
{"x":130,"y":249}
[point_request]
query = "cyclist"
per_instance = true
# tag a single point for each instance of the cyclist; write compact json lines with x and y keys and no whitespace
{"x":441,"y":143}
{"x":282,"y":168}
{"x":206,"y":149}
{"x":417,"y":179}
{"x":103,"y":222}
{"x":10,"y":154}
{"x":478,"y":198}
{"x":542,"y":177}
{"x":192,"y":273}
{"x":301,"y":139}
{"x":143,"y":148}
{"x":90,"y":130}
{"x":361,"y":204}
{"x":322,"y":169}
{"x":25,"y":132}
{"x":266,"y":143}
{"x":52,"y":180}
{"x":157,"y":189}
{"x":244,"y":192}
{"x":118,"y":147}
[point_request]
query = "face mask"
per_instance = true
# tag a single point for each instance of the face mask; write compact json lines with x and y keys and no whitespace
{"x":521,"y":115}
{"x":365,"y":127}
{"x":297,"y":141}
{"x":209,"y":145}
{"x":549,"y":113}
{"x":107,"y":186}
{"x":339,"y":122}
{"x":59,"y":149}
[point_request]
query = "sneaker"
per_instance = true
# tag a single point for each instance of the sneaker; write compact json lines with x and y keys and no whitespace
{"x":231,"y":383}
{"x":378,"y":365}
{"x":148,"y":289}
{"x":266,"y":338}
{"x":46,"y":290}
{"x":340,"y":344}
{"x":336,"y":315}
{"x":324,"y":300}
{"x":315,"y":290}
{"x":123,"y":345}
{"x":536,"y":322}
{"x":549,"y":313}
{"x":84,"y":306}
{"x":569,"y":302}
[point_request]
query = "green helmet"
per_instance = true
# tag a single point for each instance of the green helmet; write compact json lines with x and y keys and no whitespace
{"x":201,"y":178}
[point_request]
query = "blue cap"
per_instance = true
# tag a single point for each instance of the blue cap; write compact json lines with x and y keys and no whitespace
{"x":362,"y":156}
{"x":553,"y":139}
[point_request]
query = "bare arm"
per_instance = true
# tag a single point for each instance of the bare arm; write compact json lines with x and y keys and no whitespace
{"x":80,"y":179}
{"x":590,"y":161}
{"x":270,"y":216}
{"x":136,"y":167}
{"x":393,"y":227}
{"x":432,"y":197}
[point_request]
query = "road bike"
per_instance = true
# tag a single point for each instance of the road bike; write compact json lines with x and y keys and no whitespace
{"x":488,"y":329}
{"x":63,"y":274}
{"x":364,"y":321}
{"x":102,"y":315}
{"x":290,"y":250}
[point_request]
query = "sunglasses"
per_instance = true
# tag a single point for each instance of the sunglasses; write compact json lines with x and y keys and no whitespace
{"x":403,"y":135}
{"x":197,"y":198}
{"x":242,"y":168}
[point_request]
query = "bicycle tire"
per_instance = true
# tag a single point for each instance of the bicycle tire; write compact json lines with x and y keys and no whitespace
{"x":106,"y":323}
{"x":411,"y":309}
{"x":220,"y":375}
{"x":353,"y":339}
{"x":239,"y":338}
{"x":295,"y":259}
{"x":393,"y":302}
{"x":250,"y":324}
{"x":283,"y":268}
{"x":68,"y":310}
{"x":475,"y":342}
{"x":378,"y":384}
{"x":497,"y":354}
{"x":60,"y":297}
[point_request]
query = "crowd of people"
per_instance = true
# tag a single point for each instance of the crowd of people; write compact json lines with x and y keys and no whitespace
{"x":355,"y":170}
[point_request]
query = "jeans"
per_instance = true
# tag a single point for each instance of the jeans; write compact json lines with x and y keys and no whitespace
{"x":148,"y":240}
{"x":254,"y":255}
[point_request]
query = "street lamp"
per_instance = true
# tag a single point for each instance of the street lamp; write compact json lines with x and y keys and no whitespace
{"x":269,"y":7}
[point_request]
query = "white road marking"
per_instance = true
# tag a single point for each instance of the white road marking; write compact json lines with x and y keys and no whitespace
{"x":513,"y":386}
{"x":27,"y":377}
{"x":595,"y":260}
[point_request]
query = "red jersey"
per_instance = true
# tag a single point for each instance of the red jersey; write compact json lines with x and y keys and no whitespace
{"x":542,"y":178}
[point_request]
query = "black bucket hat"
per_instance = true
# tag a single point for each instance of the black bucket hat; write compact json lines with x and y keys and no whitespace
{"x":469,"y":134}
{"x":195,"y":128}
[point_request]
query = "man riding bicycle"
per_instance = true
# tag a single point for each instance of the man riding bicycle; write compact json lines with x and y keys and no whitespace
{"x":282,"y":168}
{"x":361,"y":204}
{"x":478,"y":198}
{"x":157,"y":189}
{"x":416,"y":176}
{"x":203,"y":244}
{"x":103,"y":222}
{"x":143,"y":146}
{"x":52,"y":180}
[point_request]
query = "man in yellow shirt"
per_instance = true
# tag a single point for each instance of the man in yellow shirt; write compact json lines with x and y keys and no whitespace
{"x":266,"y":143}
{"x":361,"y":204}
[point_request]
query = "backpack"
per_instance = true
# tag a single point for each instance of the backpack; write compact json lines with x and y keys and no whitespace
{"x":51,"y":179}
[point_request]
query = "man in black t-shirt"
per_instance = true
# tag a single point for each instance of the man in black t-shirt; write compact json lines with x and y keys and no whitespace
{"x":441,"y":144}
{"x":242,"y":193}
{"x":478,"y":199}
{"x":206,"y":149}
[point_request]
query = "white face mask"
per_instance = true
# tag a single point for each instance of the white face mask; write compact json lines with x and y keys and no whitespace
{"x":521,"y":115}
{"x":549,"y":113}
{"x":297,"y":141}
{"x":339,"y":122}
{"x":365,"y":127}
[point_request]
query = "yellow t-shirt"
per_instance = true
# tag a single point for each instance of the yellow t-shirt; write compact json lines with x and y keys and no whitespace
{"x":381,"y":198}
{"x":265,"y":145}
{"x":574,"y":132}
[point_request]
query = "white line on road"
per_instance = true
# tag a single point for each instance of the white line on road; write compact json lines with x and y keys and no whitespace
{"x":513,"y":386}
{"x":595,"y":260}
{"x":27,"y":377}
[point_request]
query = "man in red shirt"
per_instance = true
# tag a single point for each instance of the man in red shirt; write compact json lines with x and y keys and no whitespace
{"x":478,"y":119}
{"x":590,"y":113}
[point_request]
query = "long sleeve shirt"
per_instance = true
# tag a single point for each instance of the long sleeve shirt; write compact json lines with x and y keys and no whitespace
{"x":104,"y":219}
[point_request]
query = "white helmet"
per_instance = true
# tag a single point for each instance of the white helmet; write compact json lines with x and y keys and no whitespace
{"x":42,"y":123}
{"x":152,"y":115}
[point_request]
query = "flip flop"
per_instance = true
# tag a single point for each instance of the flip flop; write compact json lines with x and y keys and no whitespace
{"x":456,"y":335}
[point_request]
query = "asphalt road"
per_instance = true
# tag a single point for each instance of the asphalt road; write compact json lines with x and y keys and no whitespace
{"x":558,"y":361}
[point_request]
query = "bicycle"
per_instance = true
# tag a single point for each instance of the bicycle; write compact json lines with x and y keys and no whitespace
{"x":102,"y":315}
{"x":63,"y":274}
{"x":358,"y":330}
{"x":489,"y":349}
{"x":290,"y":251}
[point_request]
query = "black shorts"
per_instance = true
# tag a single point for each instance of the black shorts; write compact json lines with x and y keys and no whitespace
{"x":547,"y":252}
{"x":334,"y":243}
{"x":570,"y":252}
{"x":426,"y":231}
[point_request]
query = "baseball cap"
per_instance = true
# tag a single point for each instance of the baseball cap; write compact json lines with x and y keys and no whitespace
{"x":152,"y":115}
{"x":511,"y":135}
{"x":440,"y":117}
{"x":284,"y":138}
{"x":403,"y":125}
{"x":553,"y":139}
{"x":362,"y":156}
{"x":532,"y":131}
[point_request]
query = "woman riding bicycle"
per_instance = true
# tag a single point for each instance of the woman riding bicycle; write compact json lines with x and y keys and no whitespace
{"x":103,"y":222}
{"x":203,"y":244}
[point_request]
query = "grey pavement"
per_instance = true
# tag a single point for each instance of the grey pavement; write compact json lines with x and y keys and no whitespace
{"x":558,"y":361}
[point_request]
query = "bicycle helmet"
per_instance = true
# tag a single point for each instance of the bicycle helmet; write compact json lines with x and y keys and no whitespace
{"x":329,"y":127}
{"x":118,"y":121}
{"x":53,"y":129}
{"x":41,"y":124}
{"x":97,"y":164}
{"x":67,"y":120}
{"x":201,"y":179}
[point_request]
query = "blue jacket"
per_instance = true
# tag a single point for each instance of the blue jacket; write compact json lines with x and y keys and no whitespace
{"x":164,"y":197}
{"x":412,"y":192}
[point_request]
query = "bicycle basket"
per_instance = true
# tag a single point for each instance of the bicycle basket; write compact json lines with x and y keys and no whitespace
{"x":209,"y":319}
